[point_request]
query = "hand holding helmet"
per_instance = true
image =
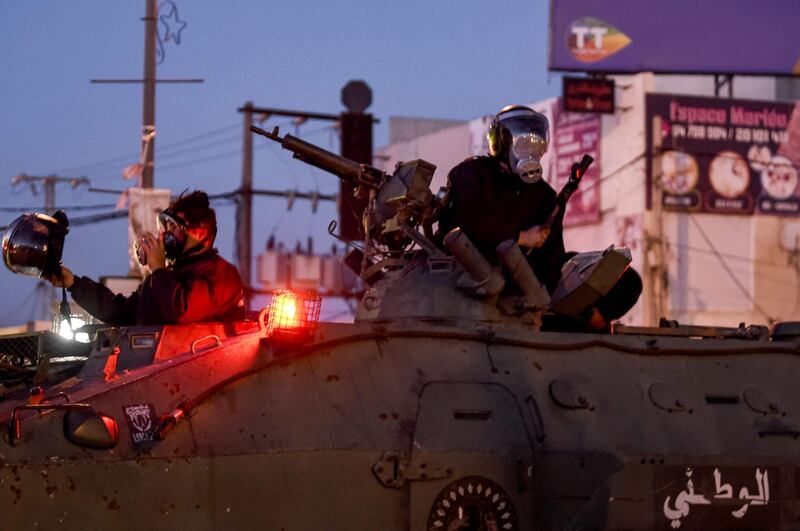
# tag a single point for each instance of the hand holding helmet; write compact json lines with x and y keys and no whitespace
{"x":62,"y":279}
{"x":33,"y":243}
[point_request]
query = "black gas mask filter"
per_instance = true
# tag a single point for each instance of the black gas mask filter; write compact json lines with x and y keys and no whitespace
{"x":174,"y":230}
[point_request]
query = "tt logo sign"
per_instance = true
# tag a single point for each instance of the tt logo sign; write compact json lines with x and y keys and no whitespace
{"x":590,"y":39}
{"x":580,"y":33}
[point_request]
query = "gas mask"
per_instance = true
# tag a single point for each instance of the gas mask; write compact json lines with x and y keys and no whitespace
{"x":522,"y":135}
{"x":174,"y":229}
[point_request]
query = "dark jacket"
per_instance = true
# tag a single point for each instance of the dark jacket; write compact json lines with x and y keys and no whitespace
{"x":492,"y":205}
{"x":203,"y":287}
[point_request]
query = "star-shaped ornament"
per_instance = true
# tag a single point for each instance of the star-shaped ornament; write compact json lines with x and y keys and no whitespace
{"x":172,"y":24}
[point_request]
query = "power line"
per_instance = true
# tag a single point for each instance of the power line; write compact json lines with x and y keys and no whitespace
{"x":225,"y":154}
{"x":200,"y":136}
{"x":135,"y":156}
{"x":96,"y":218}
{"x":728,"y":270}
{"x":726,"y":255}
{"x":166,"y":152}
{"x":66,"y":208}
{"x":192,"y":162}
{"x":204,"y":145}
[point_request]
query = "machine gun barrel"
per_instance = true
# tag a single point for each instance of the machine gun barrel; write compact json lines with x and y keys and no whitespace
{"x":344,"y":168}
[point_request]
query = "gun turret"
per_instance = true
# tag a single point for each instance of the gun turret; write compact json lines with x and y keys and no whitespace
{"x":363,"y":176}
{"x":399,"y":202}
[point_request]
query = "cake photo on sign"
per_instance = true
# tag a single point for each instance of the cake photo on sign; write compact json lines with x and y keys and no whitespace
{"x":679,"y":172}
{"x":759,"y":157}
{"x":779,"y":178}
{"x":729,"y":174}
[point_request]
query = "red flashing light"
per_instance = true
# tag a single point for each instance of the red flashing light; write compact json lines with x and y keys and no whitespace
{"x":293,"y":315}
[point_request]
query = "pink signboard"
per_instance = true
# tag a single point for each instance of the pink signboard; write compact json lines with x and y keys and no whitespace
{"x":574,"y":135}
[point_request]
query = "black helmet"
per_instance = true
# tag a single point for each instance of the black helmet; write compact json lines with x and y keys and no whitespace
{"x":33,"y":243}
{"x":519,"y":136}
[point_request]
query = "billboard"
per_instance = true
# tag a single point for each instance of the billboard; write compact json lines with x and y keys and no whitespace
{"x":724,"y":156}
{"x":679,"y":36}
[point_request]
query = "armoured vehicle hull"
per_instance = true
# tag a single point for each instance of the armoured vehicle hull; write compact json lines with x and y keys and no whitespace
{"x":443,"y":407}
{"x":416,"y":424}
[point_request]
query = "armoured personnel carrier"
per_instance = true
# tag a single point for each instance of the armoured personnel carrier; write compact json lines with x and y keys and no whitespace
{"x":442,"y":407}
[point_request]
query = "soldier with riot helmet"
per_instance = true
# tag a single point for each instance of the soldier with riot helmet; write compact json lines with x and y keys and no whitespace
{"x":185,"y":280}
{"x":503,"y":197}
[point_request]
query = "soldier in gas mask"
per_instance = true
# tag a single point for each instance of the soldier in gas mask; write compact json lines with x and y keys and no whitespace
{"x":186,"y":280}
{"x":502,"y":196}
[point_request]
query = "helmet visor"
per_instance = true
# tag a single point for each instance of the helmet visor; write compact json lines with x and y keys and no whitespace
{"x":169,"y":222}
{"x":527,"y":137}
{"x":530,"y":133}
{"x":174,"y":230}
{"x":528,"y":145}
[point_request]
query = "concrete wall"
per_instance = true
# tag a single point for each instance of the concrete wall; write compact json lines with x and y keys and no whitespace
{"x":745,"y":87}
{"x":444,"y":148}
{"x":403,"y":128}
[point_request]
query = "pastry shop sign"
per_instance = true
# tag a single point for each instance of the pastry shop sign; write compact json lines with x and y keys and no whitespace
{"x":583,"y":94}
{"x":724,"y":156}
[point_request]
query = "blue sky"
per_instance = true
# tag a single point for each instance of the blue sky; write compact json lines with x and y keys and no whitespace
{"x":443,"y":59}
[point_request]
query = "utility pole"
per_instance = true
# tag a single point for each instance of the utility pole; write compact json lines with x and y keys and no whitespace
{"x":48,"y":184}
{"x":244,"y":211}
{"x":655,"y":255}
{"x":356,"y":144}
{"x":149,"y":96}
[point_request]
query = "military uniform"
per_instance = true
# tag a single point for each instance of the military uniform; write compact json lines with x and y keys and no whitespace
{"x":492,"y":205}
{"x":197,"y":288}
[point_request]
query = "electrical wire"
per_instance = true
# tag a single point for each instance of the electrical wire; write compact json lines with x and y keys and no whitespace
{"x":193,"y":162}
{"x":728,"y":270}
{"x":615,"y":173}
{"x":197,"y":147}
{"x":135,"y":156}
{"x":66,"y":208}
{"x":217,"y":156}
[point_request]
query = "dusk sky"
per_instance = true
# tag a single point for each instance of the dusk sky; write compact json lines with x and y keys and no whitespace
{"x":448,"y":59}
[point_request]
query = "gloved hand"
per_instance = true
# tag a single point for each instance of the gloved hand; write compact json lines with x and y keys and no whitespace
{"x":63,"y":279}
{"x":534,"y":237}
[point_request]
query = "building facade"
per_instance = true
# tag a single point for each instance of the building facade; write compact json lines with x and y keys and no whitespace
{"x":699,"y":265}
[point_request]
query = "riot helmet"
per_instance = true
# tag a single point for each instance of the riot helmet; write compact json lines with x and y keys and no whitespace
{"x":33,"y":243}
{"x":186,"y":212}
{"x":519,"y":136}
